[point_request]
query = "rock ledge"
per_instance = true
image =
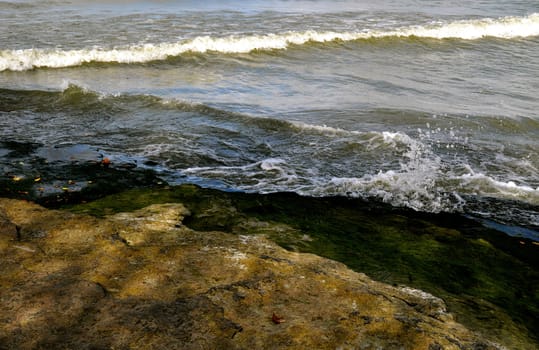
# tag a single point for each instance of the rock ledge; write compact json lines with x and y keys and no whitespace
{"x":144,"y":280}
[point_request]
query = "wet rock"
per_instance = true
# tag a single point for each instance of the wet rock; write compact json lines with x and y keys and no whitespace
{"x":144,"y":280}
{"x":58,"y":175}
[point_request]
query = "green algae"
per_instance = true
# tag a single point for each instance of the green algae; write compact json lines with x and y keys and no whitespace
{"x":488,"y":279}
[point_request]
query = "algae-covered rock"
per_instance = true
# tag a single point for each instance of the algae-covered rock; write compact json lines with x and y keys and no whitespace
{"x":489,"y":280}
{"x":144,"y":280}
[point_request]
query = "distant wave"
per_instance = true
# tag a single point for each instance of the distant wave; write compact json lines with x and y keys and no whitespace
{"x":25,"y":59}
{"x":7,"y":5}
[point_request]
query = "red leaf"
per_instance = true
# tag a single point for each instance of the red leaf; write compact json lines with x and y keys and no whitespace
{"x":277,"y":319}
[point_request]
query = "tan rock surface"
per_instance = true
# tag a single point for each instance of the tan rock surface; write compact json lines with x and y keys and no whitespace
{"x":143,"y":280}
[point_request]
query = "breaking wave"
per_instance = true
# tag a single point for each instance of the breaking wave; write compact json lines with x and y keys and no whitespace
{"x":26,"y":59}
{"x":421,"y":180}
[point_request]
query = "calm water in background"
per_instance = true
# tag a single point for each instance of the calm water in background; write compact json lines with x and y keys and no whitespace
{"x":431,"y":105}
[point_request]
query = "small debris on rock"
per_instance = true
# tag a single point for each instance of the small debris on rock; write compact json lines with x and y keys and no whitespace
{"x":277,"y":319}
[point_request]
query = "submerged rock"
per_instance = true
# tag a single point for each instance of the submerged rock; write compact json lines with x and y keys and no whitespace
{"x":63,"y":174}
{"x":144,"y":279}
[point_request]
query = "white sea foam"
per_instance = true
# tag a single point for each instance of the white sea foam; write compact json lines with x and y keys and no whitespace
{"x":323,"y":129}
{"x":420,"y":181}
{"x":272,"y":164}
{"x":487,"y":186}
{"x":268,"y":175}
{"x":413,"y":184}
{"x":24,"y":59}
{"x":372,"y":139}
{"x":505,"y":28}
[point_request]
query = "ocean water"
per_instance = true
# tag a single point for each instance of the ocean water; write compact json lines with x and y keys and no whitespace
{"x":431,"y":105}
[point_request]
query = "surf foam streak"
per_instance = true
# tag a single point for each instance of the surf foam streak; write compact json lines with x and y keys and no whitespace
{"x":25,"y":59}
{"x":488,"y":186}
{"x":504,"y":28}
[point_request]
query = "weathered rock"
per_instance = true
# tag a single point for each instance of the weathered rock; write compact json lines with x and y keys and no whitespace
{"x":144,"y":280}
{"x":7,"y":228}
{"x":488,"y":279}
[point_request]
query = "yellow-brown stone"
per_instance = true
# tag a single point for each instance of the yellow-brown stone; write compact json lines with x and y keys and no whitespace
{"x":143,"y":280}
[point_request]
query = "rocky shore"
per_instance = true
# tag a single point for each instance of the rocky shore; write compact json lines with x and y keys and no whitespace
{"x":95,"y":255}
{"x":189,"y":268}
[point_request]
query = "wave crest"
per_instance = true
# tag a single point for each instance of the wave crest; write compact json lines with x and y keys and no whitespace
{"x":26,"y":59}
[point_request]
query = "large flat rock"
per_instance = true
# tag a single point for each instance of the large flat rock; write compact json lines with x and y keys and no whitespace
{"x":143,"y":280}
